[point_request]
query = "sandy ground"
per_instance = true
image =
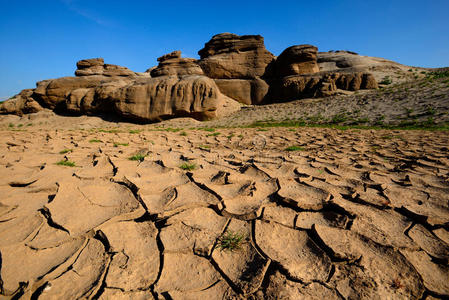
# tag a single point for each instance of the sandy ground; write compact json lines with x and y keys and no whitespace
{"x":224,"y":214}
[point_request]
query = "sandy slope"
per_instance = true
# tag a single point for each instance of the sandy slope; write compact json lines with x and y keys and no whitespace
{"x":349,"y":214}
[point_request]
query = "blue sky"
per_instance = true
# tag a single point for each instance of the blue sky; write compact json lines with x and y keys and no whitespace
{"x":44,"y":39}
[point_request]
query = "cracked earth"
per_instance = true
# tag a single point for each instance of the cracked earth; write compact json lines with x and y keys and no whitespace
{"x":351,"y":215}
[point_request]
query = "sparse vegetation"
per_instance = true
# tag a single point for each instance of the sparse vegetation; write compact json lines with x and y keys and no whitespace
{"x":204,"y":146}
{"x":66,"y":163}
{"x":231,"y":241}
{"x":386,"y":80}
{"x":188,"y":166}
{"x":120,"y":144}
{"x":214,"y":134}
{"x":183,"y":133}
{"x":295,"y":148}
{"x":65,"y":151}
{"x":134,"y":131}
{"x":95,"y":141}
{"x":138,"y":157}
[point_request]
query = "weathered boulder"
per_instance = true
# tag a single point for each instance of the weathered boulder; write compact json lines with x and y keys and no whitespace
{"x":251,"y":91}
{"x":167,"y":96}
{"x":51,"y":93}
{"x":173,"y":64}
{"x":318,"y":85}
{"x":21,"y":103}
{"x":96,"y":66}
{"x":229,"y":56}
{"x":297,"y":60}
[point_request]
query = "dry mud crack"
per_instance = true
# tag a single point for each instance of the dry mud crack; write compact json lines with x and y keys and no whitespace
{"x":350,"y":215}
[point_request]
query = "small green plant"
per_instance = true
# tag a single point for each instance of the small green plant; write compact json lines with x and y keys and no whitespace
{"x":295,"y":148}
{"x":109,"y":130}
{"x":204,"y":146}
{"x":208,"y":129}
{"x":188,"y":166}
{"x":133,"y":131}
{"x":10,"y":125}
{"x":95,"y":141}
{"x":138,"y":157}
{"x":231,"y":241}
{"x":20,"y":125}
{"x":386,"y":80}
{"x":214,"y":134}
{"x":120,"y":144}
{"x":183,"y":133}
{"x":66,"y":163}
{"x":65,"y":151}
{"x":230,"y":136}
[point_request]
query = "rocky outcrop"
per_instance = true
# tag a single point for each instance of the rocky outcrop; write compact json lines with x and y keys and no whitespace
{"x":22,"y":103}
{"x":230,"y":67}
{"x":297,"y":60}
{"x":127,"y":94}
{"x":229,"y":56}
{"x":96,"y":66}
{"x":173,"y":64}
{"x":245,"y":91}
{"x":237,"y":63}
{"x":318,"y":85}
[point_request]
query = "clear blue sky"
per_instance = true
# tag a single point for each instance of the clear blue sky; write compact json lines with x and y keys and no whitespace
{"x":44,"y":39}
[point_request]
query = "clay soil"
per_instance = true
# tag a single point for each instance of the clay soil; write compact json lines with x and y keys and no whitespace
{"x":99,"y":210}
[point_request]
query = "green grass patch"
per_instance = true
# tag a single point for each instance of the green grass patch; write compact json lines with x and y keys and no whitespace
{"x":214,"y":134}
{"x":10,"y":125}
{"x":204,"y":146}
{"x":95,"y":141}
{"x":207,"y":129}
{"x":188,"y":166}
{"x":231,"y":241}
{"x":120,"y":144}
{"x":66,"y":163}
{"x":183,"y":133}
{"x":134,"y":131}
{"x":109,"y":130}
{"x":65,"y":151}
{"x":407,"y":125}
{"x":295,"y":148}
{"x":138,"y":157}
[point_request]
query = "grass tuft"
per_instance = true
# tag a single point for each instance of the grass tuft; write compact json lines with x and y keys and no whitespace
{"x":95,"y":141}
{"x":120,"y":144}
{"x":188,"y":166}
{"x":66,"y":163}
{"x":295,"y":148}
{"x":65,"y":151}
{"x":231,"y":241}
{"x":138,"y":157}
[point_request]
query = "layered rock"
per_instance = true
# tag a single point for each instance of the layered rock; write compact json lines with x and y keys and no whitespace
{"x":173,"y":64}
{"x":127,"y":94}
{"x":318,"y":85}
{"x":96,"y":66}
{"x":237,"y":63}
{"x":297,"y":60}
{"x":238,"y":67}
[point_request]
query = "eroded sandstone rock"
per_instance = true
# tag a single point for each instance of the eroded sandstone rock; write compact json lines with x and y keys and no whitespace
{"x":229,"y":56}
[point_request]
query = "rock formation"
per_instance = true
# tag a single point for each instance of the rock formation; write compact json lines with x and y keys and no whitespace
{"x":96,"y":66}
{"x":173,"y":64}
{"x":230,"y":67}
{"x":297,"y":60}
{"x":237,"y":63}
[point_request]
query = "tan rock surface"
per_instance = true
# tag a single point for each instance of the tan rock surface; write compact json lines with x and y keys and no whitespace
{"x":229,"y":56}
